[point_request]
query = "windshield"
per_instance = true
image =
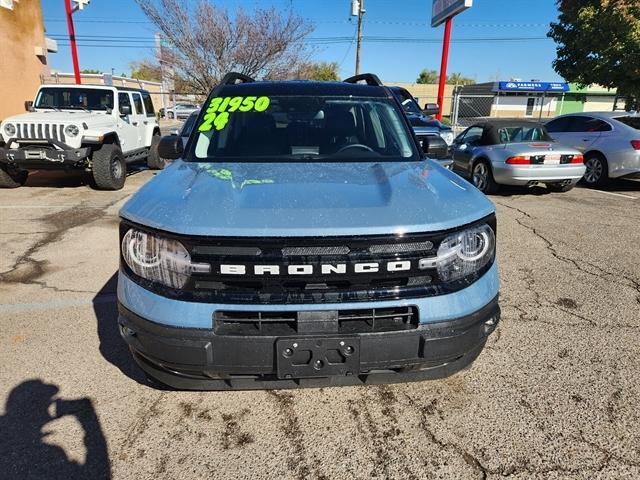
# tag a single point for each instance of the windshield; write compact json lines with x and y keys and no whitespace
{"x":522,"y":134}
{"x":188,"y":125}
{"x":633,"y":122}
{"x":75,"y":98}
{"x":302,"y":127}
{"x":410,"y":106}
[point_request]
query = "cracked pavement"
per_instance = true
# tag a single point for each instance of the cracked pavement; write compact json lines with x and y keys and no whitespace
{"x":554,"y":395}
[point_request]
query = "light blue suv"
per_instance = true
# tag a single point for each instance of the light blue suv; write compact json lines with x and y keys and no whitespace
{"x":301,"y":238}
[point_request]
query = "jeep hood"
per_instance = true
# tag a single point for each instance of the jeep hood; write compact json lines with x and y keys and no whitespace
{"x":305,"y":199}
{"x":63,"y":116}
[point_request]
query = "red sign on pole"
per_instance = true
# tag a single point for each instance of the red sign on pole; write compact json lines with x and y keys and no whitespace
{"x":444,"y":11}
{"x":72,"y":40}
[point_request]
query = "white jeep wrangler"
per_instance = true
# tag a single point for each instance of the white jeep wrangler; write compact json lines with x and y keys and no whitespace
{"x":97,"y":129}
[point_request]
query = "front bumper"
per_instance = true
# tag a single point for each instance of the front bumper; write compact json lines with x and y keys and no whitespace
{"x":43,"y":155}
{"x":526,"y":174}
{"x":198,"y":359}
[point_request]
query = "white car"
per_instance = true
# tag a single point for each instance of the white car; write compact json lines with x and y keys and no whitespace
{"x":98,"y":129}
{"x":610,"y":142}
{"x":181,"y":110}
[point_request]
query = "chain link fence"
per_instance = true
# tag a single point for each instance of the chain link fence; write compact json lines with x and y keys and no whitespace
{"x":468,"y":109}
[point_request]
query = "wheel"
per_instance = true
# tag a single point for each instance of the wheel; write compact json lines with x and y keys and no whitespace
{"x":482,"y":178}
{"x":170,"y":115}
{"x":558,"y":187}
{"x":12,"y":179}
{"x":597,"y":171}
{"x":154,"y":160}
{"x":108,"y":167}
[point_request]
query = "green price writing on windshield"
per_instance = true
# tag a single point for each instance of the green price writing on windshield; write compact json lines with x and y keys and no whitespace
{"x":219,"y":108}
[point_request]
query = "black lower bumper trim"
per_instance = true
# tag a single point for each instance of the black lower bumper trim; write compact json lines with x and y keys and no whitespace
{"x":43,"y":158}
{"x":197,"y":359}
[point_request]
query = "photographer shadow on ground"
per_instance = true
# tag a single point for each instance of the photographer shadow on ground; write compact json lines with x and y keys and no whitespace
{"x":30,"y":406}
{"x":112,"y":347}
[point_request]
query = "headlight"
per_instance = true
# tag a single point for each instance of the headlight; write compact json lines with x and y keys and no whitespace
{"x":71,"y":130}
{"x":447,"y":136}
{"x":465,"y":252}
{"x":158,"y":259}
{"x":10,"y":129}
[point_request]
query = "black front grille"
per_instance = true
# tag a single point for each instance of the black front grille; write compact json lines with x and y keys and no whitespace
{"x":303,"y":270}
{"x":370,"y":320}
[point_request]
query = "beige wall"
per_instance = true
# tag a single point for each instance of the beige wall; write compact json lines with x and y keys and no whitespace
{"x":598,"y":103}
{"x":428,"y":93}
{"x":515,"y":106}
{"x":21,"y":69}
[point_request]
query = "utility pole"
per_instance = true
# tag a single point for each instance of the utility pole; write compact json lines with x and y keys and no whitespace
{"x":360,"y":6}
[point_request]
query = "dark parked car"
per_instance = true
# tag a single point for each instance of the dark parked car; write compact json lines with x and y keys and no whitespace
{"x":426,"y":127}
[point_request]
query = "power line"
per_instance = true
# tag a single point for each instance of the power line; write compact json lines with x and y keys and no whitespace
{"x":139,"y":42}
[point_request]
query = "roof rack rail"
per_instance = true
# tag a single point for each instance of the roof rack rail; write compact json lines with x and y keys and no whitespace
{"x":370,"y":78}
{"x":232,"y":77}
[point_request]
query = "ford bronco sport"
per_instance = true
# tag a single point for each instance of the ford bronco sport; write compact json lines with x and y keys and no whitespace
{"x":93,"y":128}
{"x":301,"y":238}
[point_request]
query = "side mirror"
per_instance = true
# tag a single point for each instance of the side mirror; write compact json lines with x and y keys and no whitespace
{"x":28,"y":106}
{"x":125,"y":110}
{"x":433,"y":146}
{"x":170,"y":147}
{"x":462,"y":146}
{"x":431,"y":109}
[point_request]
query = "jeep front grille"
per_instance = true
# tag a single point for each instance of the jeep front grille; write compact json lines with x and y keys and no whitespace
{"x":40,"y":131}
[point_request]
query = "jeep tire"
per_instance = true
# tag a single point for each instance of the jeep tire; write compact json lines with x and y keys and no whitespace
{"x":108,"y":167}
{"x":154,"y":160}
{"x":12,"y":179}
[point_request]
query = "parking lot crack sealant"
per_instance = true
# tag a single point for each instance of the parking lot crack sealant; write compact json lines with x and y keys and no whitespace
{"x":632,"y":283}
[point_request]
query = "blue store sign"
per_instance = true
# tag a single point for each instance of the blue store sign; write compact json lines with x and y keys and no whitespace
{"x":533,"y":87}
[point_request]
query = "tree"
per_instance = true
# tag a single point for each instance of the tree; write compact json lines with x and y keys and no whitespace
{"x":90,"y":70}
{"x":205,"y":41}
{"x":427,"y":76}
{"x":146,"y":70}
{"x":321,"y":71}
{"x":459,"y":79}
{"x":598,"y":41}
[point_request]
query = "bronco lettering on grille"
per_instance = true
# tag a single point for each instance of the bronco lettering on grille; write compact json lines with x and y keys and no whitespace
{"x":326,"y":269}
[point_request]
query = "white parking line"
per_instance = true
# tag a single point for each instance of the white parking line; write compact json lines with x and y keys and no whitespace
{"x":616,"y":194}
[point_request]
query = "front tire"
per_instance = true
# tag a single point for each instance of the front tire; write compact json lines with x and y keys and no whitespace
{"x":12,"y":179}
{"x":108,"y":167}
{"x":482,"y":178}
{"x":597,"y":170}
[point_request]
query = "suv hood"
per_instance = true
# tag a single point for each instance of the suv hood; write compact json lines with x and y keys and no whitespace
{"x":425,"y":121}
{"x":305,"y":199}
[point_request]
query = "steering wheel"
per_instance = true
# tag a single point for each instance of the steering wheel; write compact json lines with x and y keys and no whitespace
{"x":355,"y":145}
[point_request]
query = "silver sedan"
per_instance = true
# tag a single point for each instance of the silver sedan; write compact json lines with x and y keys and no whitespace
{"x":610,"y":142}
{"x":515,"y":152}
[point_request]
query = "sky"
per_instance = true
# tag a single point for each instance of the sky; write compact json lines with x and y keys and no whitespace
{"x":524,"y":51}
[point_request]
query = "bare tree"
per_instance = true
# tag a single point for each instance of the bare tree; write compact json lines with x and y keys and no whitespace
{"x":206,"y":42}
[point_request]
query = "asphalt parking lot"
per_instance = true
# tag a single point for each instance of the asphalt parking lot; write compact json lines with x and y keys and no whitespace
{"x":554,"y":395}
